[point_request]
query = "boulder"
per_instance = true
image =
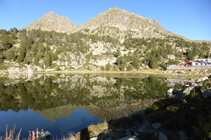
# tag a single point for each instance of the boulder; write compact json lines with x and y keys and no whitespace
{"x":201,"y":79}
{"x":143,"y":127}
{"x":129,"y":138}
{"x":93,"y":138}
{"x":108,"y":138}
{"x":172,"y":91}
{"x":206,"y":93}
{"x":182,"y":135}
{"x":156,"y":125}
{"x":187,"y":90}
{"x":128,"y":133}
{"x":140,"y":130}
{"x":162,"y":136}
{"x":139,"y":112}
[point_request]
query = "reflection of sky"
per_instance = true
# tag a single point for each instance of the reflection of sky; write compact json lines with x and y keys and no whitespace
{"x":29,"y":120}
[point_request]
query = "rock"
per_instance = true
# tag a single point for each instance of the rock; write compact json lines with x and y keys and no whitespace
{"x":201,"y":79}
{"x":150,"y":135}
{"x":171,"y":92}
{"x":143,"y":127}
{"x":162,"y":136}
{"x":181,"y":72}
{"x":156,"y":125}
{"x":135,"y":133}
{"x":128,"y":133}
{"x":139,"y":112}
{"x":206,"y":93}
{"x":180,"y":95}
{"x":94,"y":138}
{"x":187,"y":90}
{"x":140,"y":130}
{"x":182,"y":135}
{"x":129,"y":138}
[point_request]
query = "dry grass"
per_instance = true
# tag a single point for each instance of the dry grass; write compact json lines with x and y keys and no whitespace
{"x":70,"y":136}
{"x":11,"y":134}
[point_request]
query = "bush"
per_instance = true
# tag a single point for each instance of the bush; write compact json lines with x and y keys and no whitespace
{"x":163,"y":66}
{"x":58,"y":68}
{"x":102,"y":68}
{"x":129,"y":67}
{"x":115,"y":68}
{"x":108,"y":66}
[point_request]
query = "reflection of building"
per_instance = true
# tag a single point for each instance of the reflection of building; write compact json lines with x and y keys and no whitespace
{"x":182,"y":82}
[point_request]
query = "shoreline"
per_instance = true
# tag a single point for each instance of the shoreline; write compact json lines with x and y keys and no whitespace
{"x":145,"y":72}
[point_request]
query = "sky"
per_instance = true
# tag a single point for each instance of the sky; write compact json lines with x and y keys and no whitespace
{"x":188,"y":18}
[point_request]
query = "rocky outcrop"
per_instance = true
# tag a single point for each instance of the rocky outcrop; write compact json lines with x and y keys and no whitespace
{"x":134,"y":127}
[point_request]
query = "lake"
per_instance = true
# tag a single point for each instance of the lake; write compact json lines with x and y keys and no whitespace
{"x":64,"y":103}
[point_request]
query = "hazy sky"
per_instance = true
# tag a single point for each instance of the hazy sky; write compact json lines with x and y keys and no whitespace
{"x":189,"y":18}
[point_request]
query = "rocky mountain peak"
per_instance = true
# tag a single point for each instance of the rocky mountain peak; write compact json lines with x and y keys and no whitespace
{"x":51,"y":13}
{"x":53,"y":22}
{"x":126,"y":23}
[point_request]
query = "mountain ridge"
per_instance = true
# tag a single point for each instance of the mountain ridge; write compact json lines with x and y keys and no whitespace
{"x":114,"y":22}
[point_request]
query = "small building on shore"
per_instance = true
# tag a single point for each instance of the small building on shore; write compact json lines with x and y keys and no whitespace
{"x":198,"y":63}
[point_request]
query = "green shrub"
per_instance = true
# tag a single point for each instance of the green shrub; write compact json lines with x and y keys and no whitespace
{"x":115,"y":68}
{"x":108,"y":66}
{"x":102,"y":68}
{"x":129,"y":67}
{"x":58,"y":68}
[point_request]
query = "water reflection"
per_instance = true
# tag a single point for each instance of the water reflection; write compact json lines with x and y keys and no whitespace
{"x":69,"y":102}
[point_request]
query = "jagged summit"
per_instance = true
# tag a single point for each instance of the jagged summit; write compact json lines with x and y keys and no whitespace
{"x":52,"y":13}
{"x":125,"y":23}
{"x":53,"y":22}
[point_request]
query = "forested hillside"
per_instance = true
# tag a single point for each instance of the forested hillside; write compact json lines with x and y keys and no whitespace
{"x":80,"y":51}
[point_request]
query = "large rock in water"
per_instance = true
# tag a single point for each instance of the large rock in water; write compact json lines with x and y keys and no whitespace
{"x":172,"y":91}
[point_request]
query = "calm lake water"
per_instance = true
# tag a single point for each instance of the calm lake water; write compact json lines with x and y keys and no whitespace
{"x":69,"y":102}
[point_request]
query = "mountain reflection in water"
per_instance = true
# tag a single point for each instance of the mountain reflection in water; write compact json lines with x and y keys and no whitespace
{"x":70,"y":102}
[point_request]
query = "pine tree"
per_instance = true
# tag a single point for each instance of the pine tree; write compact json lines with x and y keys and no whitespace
{"x":108,"y":66}
{"x":135,"y":62}
{"x":48,"y":60}
{"x":153,"y":63}
{"x":21,"y":56}
{"x":11,"y":54}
